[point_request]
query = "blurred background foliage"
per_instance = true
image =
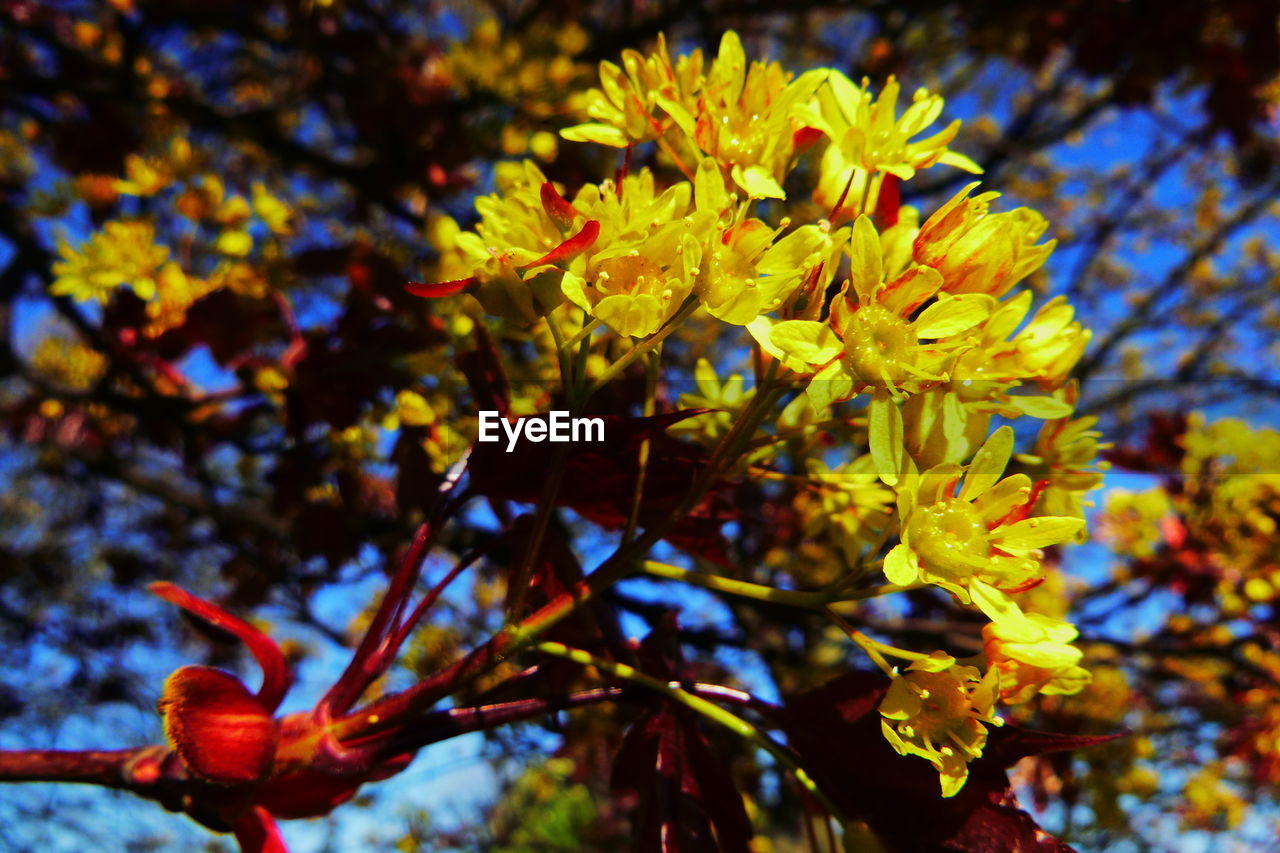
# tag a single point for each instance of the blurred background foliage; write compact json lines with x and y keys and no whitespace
{"x":210,"y":372}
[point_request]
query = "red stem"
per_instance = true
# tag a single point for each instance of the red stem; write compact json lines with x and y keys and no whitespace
{"x":90,"y":766}
{"x":357,"y":676}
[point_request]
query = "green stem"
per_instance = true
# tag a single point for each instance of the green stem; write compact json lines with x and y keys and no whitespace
{"x":760,"y":592}
{"x":872,"y":592}
{"x":743,"y":589}
{"x":562,"y":359}
{"x":642,"y":464}
{"x":875,"y":650}
{"x":649,"y":343}
{"x":583,"y":334}
{"x":711,"y":711}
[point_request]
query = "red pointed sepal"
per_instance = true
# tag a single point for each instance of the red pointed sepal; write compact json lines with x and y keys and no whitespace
{"x":557,"y":207}
{"x":438,"y":289}
{"x":804,"y":138}
{"x":221,"y":731}
{"x":571,"y":248}
{"x":889,"y":202}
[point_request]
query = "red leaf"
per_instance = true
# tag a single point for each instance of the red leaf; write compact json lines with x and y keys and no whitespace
{"x":1163,"y":448}
{"x":575,"y":245}
{"x":482,"y":367}
{"x":599,"y":478}
{"x":221,"y":731}
{"x":687,"y":799}
{"x":310,"y":793}
{"x":435,"y":290}
{"x":557,"y":572}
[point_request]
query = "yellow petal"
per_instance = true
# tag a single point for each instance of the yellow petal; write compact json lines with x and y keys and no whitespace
{"x":886,"y":439}
{"x":988,"y":464}
{"x":1037,"y":532}
{"x":601,"y":134}
{"x":900,"y":566}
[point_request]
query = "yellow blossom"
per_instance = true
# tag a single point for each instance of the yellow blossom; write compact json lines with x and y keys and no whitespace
{"x":644,"y":261}
{"x":144,"y":176}
{"x":936,"y":710}
{"x":175,"y":293}
{"x":868,"y":137}
{"x":872,"y":340}
{"x":1066,"y":456}
{"x":274,"y":213}
{"x":1033,"y":654}
{"x":977,"y":535}
{"x":626,"y":105}
{"x":235,"y":243}
{"x":122,"y":254}
{"x":743,"y":117}
{"x":746,"y":270}
{"x":1044,"y":351}
{"x":739,"y":114}
{"x":981,"y":252}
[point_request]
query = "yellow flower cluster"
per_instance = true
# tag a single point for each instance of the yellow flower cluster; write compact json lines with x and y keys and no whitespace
{"x":68,"y":363}
{"x":532,"y":70}
{"x":1221,"y":524}
{"x":124,"y":254}
{"x":922,"y":316}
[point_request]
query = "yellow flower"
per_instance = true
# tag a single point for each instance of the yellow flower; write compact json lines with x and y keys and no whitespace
{"x":643,"y":264}
{"x":1033,"y":654}
{"x":936,"y":710}
{"x":979,"y":535}
{"x":626,"y":253}
{"x":144,"y":176}
{"x":981,"y":252}
{"x":515,"y":229}
{"x":743,"y":118}
{"x":849,"y":505}
{"x":726,"y":400}
{"x":175,"y":293}
{"x":738,"y":114}
{"x":234,"y":242}
{"x":123,"y":253}
{"x":867,"y":137}
{"x":1064,"y":455}
{"x":1044,"y":351}
{"x":626,"y":104}
{"x":638,"y":290}
{"x":872,"y":342}
{"x":746,"y":271}
{"x":274,"y":213}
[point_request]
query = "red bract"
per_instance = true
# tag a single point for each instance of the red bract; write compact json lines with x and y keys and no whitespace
{"x":248,"y":768}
